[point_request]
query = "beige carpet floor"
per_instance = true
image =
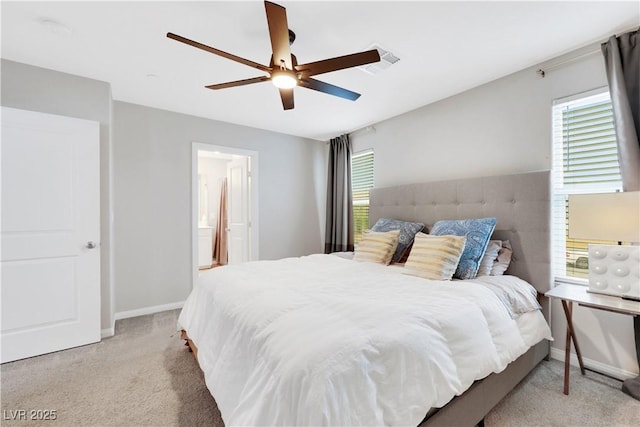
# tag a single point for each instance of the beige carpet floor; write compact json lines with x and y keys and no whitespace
{"x":144,"y":376}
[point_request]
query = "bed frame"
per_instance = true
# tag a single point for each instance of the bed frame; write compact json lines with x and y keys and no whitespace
{"x":521,"y":205}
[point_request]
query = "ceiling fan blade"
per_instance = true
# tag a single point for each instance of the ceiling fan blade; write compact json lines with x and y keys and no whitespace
{"x":279,"y":33}
{"x":328,"y":88}
{"x":238,"y":83}
{"x":219,"y":52}
{"x":338,"y":63}
{"x":287,"y":98}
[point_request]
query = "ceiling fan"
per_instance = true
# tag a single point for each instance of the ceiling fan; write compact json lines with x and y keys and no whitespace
{"x":283,"y":70}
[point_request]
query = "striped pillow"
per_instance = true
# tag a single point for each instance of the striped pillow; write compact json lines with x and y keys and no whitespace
{"x":377,"y":246}
{"x":434,"y":257}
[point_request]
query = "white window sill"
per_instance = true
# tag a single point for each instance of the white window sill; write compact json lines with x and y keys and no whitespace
{"x":571,"y":281}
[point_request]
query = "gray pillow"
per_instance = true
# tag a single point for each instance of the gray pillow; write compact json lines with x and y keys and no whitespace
{"x":504,"y":259}
{"x":408,"y":232}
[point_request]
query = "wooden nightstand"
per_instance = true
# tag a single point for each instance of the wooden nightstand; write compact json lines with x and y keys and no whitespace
{"x":569,"y":294}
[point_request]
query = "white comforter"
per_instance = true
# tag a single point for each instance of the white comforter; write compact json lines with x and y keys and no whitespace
{"x":321,"y":340}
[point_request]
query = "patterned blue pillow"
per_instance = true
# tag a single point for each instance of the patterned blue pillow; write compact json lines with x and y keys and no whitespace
{"x":478,"y":232}
{"x":408,"y":231}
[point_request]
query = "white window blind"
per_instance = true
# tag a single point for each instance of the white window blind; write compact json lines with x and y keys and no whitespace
{"x":585,"y":160}
{"x":361,"y":183}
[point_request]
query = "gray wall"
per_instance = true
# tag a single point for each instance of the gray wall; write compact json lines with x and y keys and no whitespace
{"x":146,"y":154}
{"x":152,"y":198}
{"x":46,"y":91}
{"x":499,"y":128}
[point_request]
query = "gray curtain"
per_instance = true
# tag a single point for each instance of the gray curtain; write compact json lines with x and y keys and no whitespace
{"x":622,"y":62}
{"x":339,"y":223}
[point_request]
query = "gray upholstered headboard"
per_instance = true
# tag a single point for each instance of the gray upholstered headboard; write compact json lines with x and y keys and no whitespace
{"x":520,"y":203}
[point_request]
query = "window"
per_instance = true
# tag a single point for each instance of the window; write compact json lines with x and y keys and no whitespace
{"x":585,"y":160}
{"x":361,"y":183}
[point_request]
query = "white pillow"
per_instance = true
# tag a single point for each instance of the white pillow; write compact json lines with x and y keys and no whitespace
{"x":377,"y":246}
{"x":489,"y":257}
{"x":434,"y":257}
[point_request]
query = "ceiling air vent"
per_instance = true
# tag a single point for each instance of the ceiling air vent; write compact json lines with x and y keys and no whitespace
{"x":387,"y":59}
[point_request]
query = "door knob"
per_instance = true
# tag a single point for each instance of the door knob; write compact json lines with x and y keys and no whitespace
{"x":91,"y":245}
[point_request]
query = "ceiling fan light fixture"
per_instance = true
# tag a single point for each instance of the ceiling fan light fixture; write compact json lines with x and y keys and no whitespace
{"x":284,"y":79}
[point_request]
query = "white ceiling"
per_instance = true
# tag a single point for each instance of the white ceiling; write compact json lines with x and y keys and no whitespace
{"x":444,"y":48}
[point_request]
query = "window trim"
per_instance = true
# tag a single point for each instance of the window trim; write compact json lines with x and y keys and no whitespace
{"x":560,"y":190}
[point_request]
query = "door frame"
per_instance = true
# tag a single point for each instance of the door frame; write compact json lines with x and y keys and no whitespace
{"x":253,"y":196}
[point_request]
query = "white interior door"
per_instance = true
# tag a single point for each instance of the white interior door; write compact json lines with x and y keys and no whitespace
{"x":238,"y":209}
{"x":50,"y":258}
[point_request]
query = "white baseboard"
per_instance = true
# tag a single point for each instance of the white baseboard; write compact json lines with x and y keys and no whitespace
{"x":621,"y":374}
{"x":108,"y":332}
{"x":148,"y":310}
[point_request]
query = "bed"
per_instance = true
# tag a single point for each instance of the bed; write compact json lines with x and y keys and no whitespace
{"x":326,"y":340}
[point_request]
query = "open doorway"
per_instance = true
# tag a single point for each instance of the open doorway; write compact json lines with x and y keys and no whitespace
{"x":224,"y":206}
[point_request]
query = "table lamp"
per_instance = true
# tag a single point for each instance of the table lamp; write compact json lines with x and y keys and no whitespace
{"x":613,"y":269}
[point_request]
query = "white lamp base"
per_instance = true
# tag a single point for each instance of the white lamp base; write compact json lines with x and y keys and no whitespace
{"x":615,"y":270}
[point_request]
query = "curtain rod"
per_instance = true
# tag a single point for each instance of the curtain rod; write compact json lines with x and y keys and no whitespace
{"x":370,"y":128}
{"x":366,"y":129}
{"x":595,"y":49}
{"x":543,"y":70}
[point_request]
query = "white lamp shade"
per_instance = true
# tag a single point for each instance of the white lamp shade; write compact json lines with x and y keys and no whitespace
{"x":605,"y":216}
